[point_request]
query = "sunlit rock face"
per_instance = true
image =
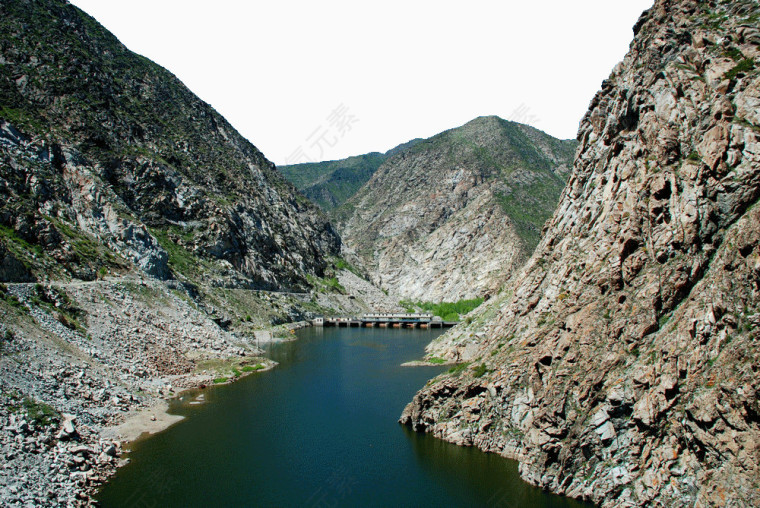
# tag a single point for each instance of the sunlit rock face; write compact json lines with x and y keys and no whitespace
{"x":621,"y":364}
{"x":452,"y":216}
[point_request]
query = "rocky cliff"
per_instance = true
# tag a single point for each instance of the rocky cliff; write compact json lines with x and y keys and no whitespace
{"x":622,"y":365}
{"x":451,"y":216}
{"x":106,"y":152}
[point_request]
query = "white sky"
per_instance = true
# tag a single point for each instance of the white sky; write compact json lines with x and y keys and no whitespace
{"x":393,"y":70}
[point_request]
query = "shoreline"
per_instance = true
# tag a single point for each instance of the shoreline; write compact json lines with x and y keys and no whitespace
{"x":423,"y":363}
{"x":142,"y":423}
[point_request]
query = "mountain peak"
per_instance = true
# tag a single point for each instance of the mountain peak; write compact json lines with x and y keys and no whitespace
{"x":479,"y":192}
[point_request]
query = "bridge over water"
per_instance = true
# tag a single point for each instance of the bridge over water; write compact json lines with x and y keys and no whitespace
{"x":385,"y":321}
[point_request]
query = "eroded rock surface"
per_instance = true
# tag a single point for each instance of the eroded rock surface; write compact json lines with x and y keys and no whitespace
{"x":110,"y":162}
{"x":621,"y":366}
{"x":452,"y":216}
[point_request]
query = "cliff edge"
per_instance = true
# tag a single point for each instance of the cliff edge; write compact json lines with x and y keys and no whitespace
{"x":622,"y":365}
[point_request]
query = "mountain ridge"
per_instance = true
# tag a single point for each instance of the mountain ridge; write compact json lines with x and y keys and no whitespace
{"x":76,"y":96}
{"x":329,"y":184}
{"x":484,"y":187}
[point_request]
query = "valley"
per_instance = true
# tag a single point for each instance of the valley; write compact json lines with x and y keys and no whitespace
{"x":604,"y":289}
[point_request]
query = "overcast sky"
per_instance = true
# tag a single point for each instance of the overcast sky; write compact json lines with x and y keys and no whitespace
{"x":321,"y":80}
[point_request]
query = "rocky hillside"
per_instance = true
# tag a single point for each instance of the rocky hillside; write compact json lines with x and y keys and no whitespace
{"x":331,"y":183}
{"x":144,"y":244}
{"x":623,"y":365}
{"x":451,"y":216}
{"x":110,"y":163}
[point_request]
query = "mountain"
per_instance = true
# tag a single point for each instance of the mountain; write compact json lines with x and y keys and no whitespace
{"x":102,"y":147}
{"x":621,"y":364}
{"x":329,"y":184}
{"x":144,"y":245}
{"x":451,"y":216}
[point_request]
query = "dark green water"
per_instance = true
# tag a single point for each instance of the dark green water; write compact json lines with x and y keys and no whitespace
{"x":320,"y":430}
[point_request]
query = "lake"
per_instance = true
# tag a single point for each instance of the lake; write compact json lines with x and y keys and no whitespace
{"x":319,"y":430}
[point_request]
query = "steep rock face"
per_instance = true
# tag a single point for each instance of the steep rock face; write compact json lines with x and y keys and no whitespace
{"x":451,"y":216}
{"x":623,"y":367}
{"x":103,"y":147}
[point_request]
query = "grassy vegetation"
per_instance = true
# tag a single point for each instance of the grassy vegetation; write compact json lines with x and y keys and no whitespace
{"x":12,"y":239}
{"x":694,"y":156}
{"x":329,"y":184}
{"x":342,"y":264}
{"x":333,"y":284}
{"x":4,"y":339}
{"x":734,"y":53}
{"x":88,"y":251}
{"x":180,"y":259}
{"x":459,"y":368}
{"x":529,"y":206}
{"x":87,"y":248}
{"x":326,"y":284}
{"x":481,"y":370}
{"x":448,"y":311}
{"x":225,"y":369}
{"x":9,"y":298}
{"x":742,"y":67}
{"x":56,"y":302}
{"x":545,"y":318}
{"x":436,"y":361}
{"x":22,"y":119}
{"x":38,"y":413}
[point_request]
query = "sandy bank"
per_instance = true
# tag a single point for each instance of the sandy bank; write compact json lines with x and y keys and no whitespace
{"x":143,"y":422}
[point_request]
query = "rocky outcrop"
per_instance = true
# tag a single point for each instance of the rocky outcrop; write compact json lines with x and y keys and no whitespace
{"x":450,"y":217}
{"x":109,"y":162}
{"x":621,"y":365}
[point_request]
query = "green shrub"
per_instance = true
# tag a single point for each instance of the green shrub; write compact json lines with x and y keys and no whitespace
{"x":459,"y":368}
{"x":480,"y":370}
{"x":39,"y":412}
{"x":342,"y":264}
{"x":448,"y":311}
{"x":180,"y":259}
{"x":333,"y":284}
{"x":694,"y":156}
{"x":7,"y":297}
{"x":742,"y":67}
